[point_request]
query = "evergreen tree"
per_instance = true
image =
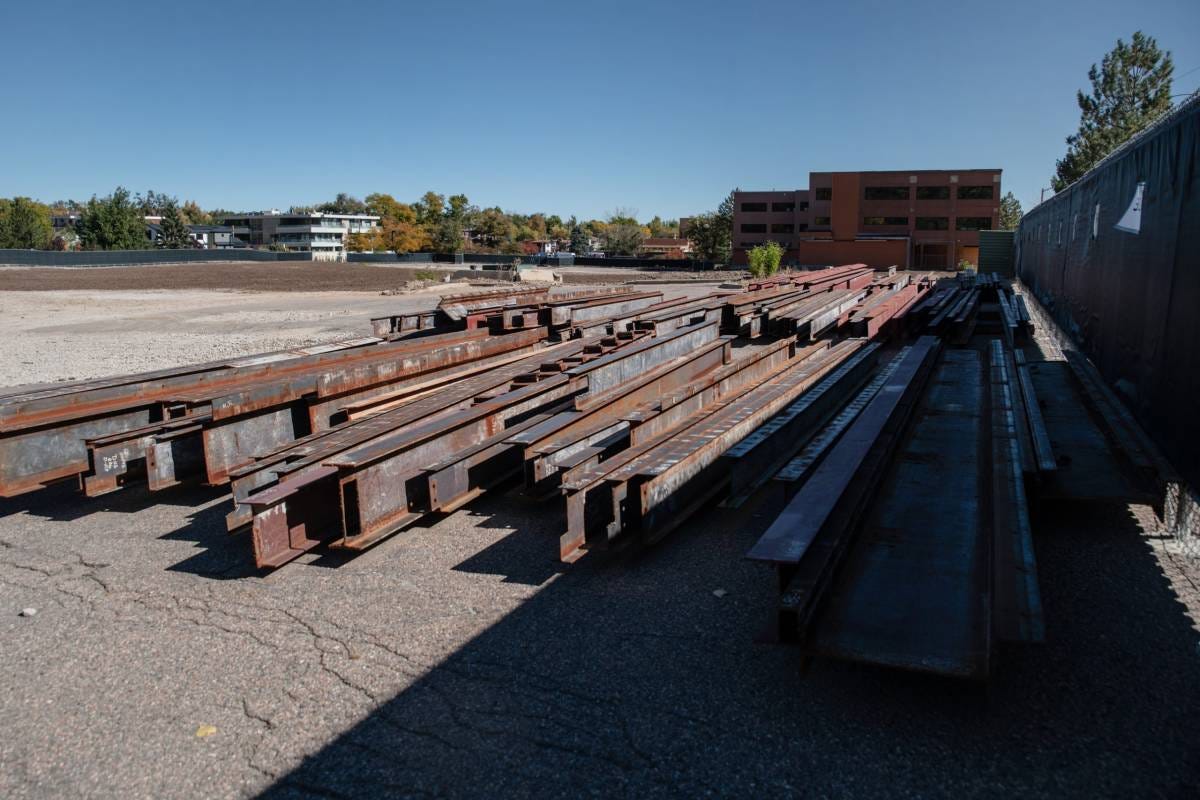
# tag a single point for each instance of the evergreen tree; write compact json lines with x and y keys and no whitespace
{"x":580,"y":242}
{"x":1130,"y":89}
{"x":1010,"y":212}
{"x":175,"y":233}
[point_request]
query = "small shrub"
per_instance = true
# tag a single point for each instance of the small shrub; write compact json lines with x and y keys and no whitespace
{"x":425,"y":275}
{"x":764,"y":259}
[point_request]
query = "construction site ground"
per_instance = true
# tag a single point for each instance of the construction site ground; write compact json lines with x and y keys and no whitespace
{"x":461,"y":658}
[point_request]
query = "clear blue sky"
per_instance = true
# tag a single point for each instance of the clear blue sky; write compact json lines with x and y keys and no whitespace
{"x":562,"y":107}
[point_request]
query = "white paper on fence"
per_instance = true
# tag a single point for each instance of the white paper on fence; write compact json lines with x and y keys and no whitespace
{"x":1131,"y":222}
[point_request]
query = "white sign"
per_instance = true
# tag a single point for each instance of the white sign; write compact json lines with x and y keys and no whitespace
{"x":1131,"y":222}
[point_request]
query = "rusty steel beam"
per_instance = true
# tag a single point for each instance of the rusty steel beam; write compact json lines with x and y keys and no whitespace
{"x":873,"y":317}
{"x":810,"y":277}
{"x":808,"y":540}
{"x":381,"y":463}
{"x":652,"y":421}
{"x":656,"y":487}
{"x":796,"y":471}
{"x":267,"y":415}
{"x":369,"y":483}
{"x":752,"y":461}
{"x":1043,"y":452}
{"x":574,"y":312}
{"x":593,"y":416}
{"x":43,"y":433}
{"x":604,"y":417}
{"x":1017,"y":603}
{"x":307,"y":452}
{"x":816,"y":313}
{"x":260,"y":416}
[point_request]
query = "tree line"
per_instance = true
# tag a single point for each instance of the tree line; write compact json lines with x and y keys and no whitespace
{"x":114,"y":222}
{"x":437,"y":223}
{"x":433,"y":223}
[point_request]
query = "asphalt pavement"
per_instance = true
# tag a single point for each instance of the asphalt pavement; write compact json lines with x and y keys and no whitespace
{"x":460,"y":659}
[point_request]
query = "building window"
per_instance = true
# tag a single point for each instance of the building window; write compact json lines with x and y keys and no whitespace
{"x":886,"y":193}
{"x":933,"y":223}
{"x":933,"y":192}
{"x":976,"y":192}
{"x":824,"y":193}
{"x":804,"y":205}
{"x":803,"y":226}
{"x":754,"y":227}
{"x":885,"y":220}
{"x":821,"y":221}
{"x":751,"y":207}
{"x":782,"y":227}
{"x":783,"y":206}
{"x":972,"y":223}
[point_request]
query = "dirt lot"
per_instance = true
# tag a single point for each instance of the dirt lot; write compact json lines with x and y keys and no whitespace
{"x":82,"y":334}
{"x":284,"y":276}
{"x":460,"y":658}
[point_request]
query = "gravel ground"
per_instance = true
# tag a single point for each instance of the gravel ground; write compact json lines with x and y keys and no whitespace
{"x":283,"y":276}
{"x":459,"y":658}
{"x":84,"y":334}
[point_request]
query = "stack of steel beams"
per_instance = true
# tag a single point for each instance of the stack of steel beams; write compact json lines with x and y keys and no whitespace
{"x":905,"y":538}
{"x":636,"y":410}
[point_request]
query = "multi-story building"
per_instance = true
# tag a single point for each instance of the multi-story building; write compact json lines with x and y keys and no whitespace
{"x":665,"y":247}
{"x":920,"y":218}
{"x":322,"y":234}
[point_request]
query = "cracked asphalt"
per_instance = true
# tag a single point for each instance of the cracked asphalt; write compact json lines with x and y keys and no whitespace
{"x":459,"y":658}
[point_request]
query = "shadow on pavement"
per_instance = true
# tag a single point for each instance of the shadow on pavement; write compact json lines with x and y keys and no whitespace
{"x":632,"y":678}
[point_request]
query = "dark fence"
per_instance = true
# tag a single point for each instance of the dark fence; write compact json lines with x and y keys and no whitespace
{"x":400,"y":258}
{"x":646,"y":263}
{"x":537,"y":260}
{"x":116,"y":258}
{"x":1115,"y":259}
{"x":459,"y":258}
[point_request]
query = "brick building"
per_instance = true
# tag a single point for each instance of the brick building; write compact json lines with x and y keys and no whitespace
{"x":921,"y":219}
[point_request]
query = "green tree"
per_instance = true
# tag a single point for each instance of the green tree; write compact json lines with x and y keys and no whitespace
{"x":1010,"y":212}
{"x":384,"y":206}
{"x":174,"y":231}
{"x":493,"y":227}
{"x":458,"y":206}
{"x":152,"y":203}
{"x":113,"y":223}
{"x":764,"y":259}
{"x":194,"y":215}
{"x":580,"y":241}
{"x":344,"y":204}
{"x":622,"y":239}
{"x":447,"y":235}
{"x":1130,"y":89}
{"x":660,"y":229}
{"x":711,"y":234}
{"x":25,"y":224}
{"x":429,"y":208}
{"x":624,"y":216}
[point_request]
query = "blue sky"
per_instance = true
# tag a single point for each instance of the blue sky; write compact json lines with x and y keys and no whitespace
{"x":560,"y":107}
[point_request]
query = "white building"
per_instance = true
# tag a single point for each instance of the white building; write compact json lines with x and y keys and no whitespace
{"x":322,"y":234}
